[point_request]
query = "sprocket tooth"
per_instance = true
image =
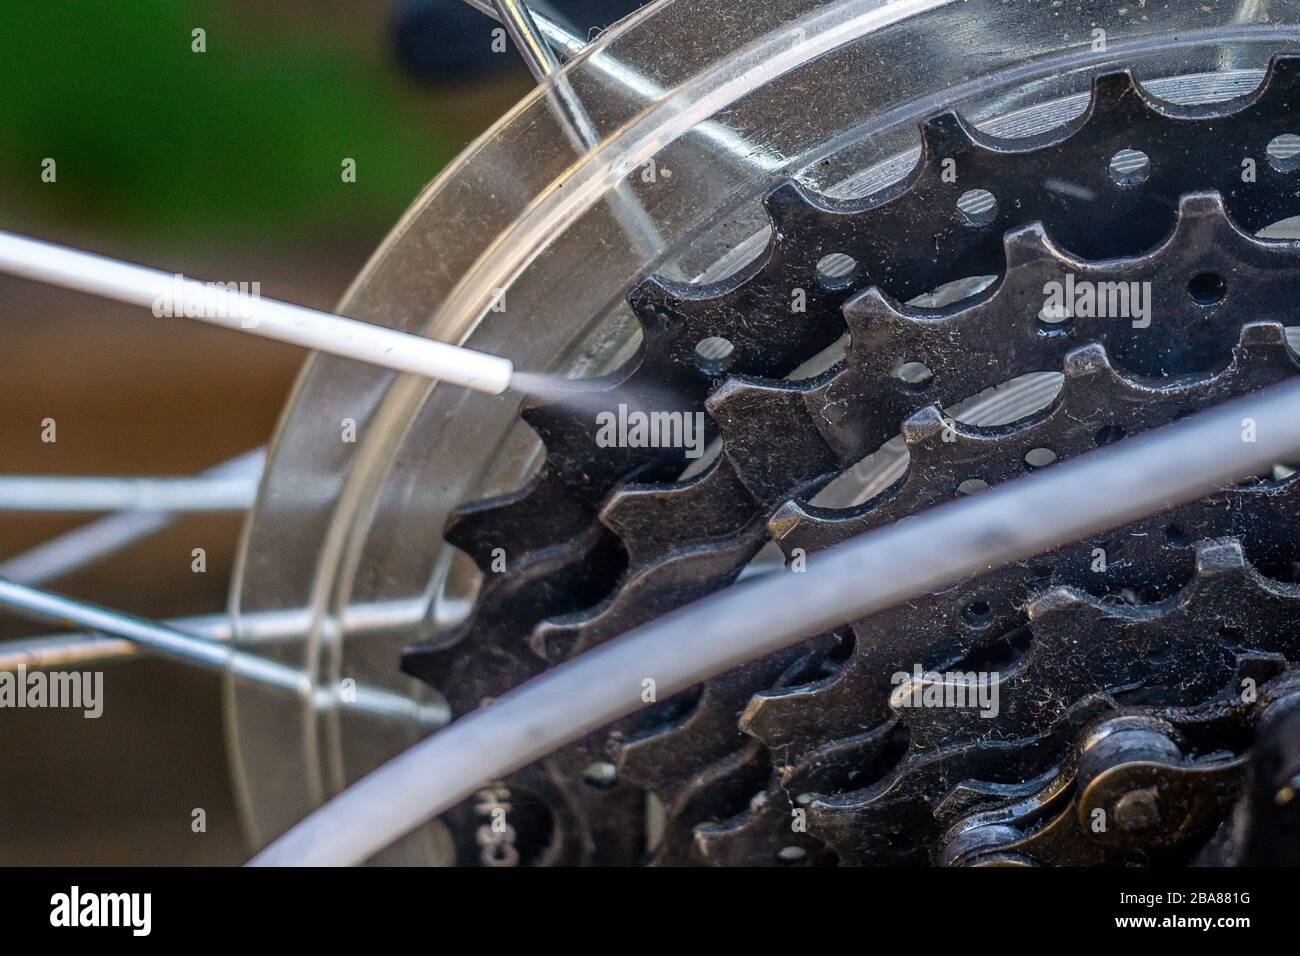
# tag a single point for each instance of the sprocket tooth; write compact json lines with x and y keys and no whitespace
{"x":937,"y":444}
{"x":1262,"y":355}
{"x":1087,"y":365}
{"x":675,"y":316}
{"x":1220,"y":558}
{"x":642,"y":759}
{"x":767,"y":715}
{"x":1281,"y":85}
{"x":930,"y":725}
{"x":792,"y":206}
{"x":803,"y":528}
{"x":1203,"y":221}
{"x":946,"y":135}
{"x":796,"y":721}
{"x":559,"y":502}
{"x":571,"y":432}
{"x":657,"y":520}
{"x":711,"y":792}
{"x":509,"y":524}
{"x":926,"y":425}
{"x":767,"y":438}
{"x":1026,"y":247}
{"x":670,"y":311}
{"x":682,"y":577}
{"x":1115,"y":92}
{"x":765,"y":340}
{"x":651,"y":298}
{"x":881,"y":834}
{"x":1092,"y":389}
{"x":774,"y":819}
{"x":868,"y":308}
{"x":554,"y":580}
{"x":1265,"y":345}
{"x":799,"y":527}
{"x":708,"y":733}
{"x":1055,"y":601}
{"x":1246,"y":605}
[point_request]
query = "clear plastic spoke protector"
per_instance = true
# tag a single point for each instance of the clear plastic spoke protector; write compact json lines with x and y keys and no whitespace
{"x":725,"y":98}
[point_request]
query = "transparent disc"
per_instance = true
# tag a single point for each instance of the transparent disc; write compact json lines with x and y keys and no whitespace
{"x":526,"y":247}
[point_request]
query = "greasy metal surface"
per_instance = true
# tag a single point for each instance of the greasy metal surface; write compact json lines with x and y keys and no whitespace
{"x":1143,"y":786}
{"x":602,"y":539}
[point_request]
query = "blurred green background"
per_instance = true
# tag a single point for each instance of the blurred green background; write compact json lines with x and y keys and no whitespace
{"x":241,"y":143}
{"x":222,"y":165}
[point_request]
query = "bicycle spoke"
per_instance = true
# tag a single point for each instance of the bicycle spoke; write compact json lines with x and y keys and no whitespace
{"x":58,"y":493}
{"x":87,"y":544}
{"x":523,"y":29}
{"x":730,"y":145}
{"x":265,"y":627}
{"x":214,"y":655}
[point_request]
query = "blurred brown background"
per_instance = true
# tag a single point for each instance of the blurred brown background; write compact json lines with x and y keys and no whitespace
{"x":221,"y":165}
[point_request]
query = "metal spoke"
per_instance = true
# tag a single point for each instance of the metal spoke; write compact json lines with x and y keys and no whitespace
{"x":729,"y":145}
{"x":62,"y":650}
{"x":89,"y":543}
{"x":557,"y":35}
{"x":264,"y":627}
{"x":59,"y":493}
{"x":522,"y":26}
{"x":214,"y":656}
{"x":626,"y":208}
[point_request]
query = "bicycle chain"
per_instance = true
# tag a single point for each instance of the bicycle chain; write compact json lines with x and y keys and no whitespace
{"x":603,"y":539}
{"x":1139,"y":785}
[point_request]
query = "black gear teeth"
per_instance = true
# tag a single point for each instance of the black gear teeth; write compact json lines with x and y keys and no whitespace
{"x":966,"y":350}
{"x":577,"y":572}
{"x":1121,"y":114}
{"x":646,"y":595}
{"x":669,"y":311}
{"x":943,"y":449}
{"x":792,"y":720}
{"x":672,"y":760}
{"x":710,"y":726}
{"x":656,"y":519}
{"x":783,"y":453}
{"x":652,"y":299}
{"x":770,"y":821}
{"x":907,"y":239}
{"x":893,"y":820}
{"x":713,"y":791}
{"x":509,"y":522}
{"x":1086,"y":650}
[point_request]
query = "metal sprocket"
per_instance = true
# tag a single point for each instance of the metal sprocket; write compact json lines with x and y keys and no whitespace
{"x":604,"y":539}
